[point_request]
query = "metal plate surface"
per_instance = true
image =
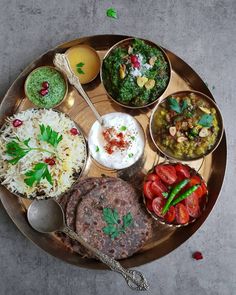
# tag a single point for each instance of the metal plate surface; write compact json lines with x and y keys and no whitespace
{"x":212,"y":167}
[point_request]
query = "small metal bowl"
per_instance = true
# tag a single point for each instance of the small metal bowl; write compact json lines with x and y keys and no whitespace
{"x":191,"y":220}
{"x":167,"y":153}
{"x":65,"y":80}
{"x":97,"y":57}
{"x":124,"y":44}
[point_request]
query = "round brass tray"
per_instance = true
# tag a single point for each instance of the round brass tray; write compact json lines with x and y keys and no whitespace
{"x":212,"y":167}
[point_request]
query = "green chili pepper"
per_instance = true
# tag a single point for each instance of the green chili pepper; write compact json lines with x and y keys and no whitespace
{"x":173,"y":193}
{"x":185,"y":194}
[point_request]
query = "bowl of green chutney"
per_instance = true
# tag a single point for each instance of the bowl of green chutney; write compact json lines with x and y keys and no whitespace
{"x":46,"y":87}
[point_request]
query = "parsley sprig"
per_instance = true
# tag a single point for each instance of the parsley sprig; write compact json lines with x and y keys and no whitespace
{"x":17,"y":149}
{"x":40,"y":171}
{"x":50,"y":136}
{"x":114,"y":228}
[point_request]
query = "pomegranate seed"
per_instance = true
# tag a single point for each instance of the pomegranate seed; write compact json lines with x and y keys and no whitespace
{"x":50,"y":161}
{"x":136,"y":64}
{"x":197,"y":255}
{"x":133,"y":59}
{"x":43,"y":92}
{"x":17,"y":123}
{"x":45,"y":85}
{"x":74,"y":131}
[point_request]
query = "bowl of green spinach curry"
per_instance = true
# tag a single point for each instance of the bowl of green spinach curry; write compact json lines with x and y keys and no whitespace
{"x":135,"y":72}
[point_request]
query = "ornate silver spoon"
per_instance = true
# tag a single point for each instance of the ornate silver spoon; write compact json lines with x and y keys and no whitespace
{"x":47,"y":216}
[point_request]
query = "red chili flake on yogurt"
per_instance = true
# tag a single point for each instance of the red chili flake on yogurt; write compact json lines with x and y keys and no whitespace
{"x":74,"y":131}
{"x":50,"y":161}
{"x":197,"y":255}
{"x":114,"y":140}
{"x":17,"y":123}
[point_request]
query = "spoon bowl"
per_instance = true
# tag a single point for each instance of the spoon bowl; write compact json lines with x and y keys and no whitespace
{"x":46,"y":216}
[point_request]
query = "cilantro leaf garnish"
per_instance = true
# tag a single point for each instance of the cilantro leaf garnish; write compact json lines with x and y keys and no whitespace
{"x":114,"y":228}
{"x":97,"y":149}
{"x":130,"y":155}
{"x":79,"y":68}
{"x":111,"y":12}
{"x":40,"y":171}
{"x":50,"y":136}
{"x":206,"y":120}
{"x":175,"y":106}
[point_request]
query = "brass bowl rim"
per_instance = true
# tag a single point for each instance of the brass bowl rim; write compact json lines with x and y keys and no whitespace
{"x":144,"y":137}
{"x":82,"y":168}
{"x":208,"y":99}
{"x":149,"y":42}
{"x":64,"y":78}
{"x":92,"y":49}
{"x":162,"y":220}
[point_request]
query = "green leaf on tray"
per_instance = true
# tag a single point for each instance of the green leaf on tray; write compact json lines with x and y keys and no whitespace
{"x":50,"y":136}
{"x":114,"y":228}
{"x":206,"y":120}
{"x":40,"y":171}
{"x":79,"y":67}
{"x":111,"y":12}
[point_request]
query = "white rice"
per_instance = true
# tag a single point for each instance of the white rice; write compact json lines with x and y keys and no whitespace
{"x":71,"y":150}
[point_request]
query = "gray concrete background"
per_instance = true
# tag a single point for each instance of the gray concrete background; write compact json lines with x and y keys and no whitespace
{"x":203,"y":33}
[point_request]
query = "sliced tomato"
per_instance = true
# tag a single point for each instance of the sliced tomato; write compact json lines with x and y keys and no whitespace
{"x":195,"y":180}
{"x":181,"y":213}
{"x":147,"y":190}
{"x":157,"y":205}
{"x":204,"y":188}
{"x":170,"y":215}
{"x":157,"y":188}
{"x":192,"y":205}
{"x":149,"y":205}
{"x":152,"y":177}
{"x":182,"y":171}
{"x":166,"y":173}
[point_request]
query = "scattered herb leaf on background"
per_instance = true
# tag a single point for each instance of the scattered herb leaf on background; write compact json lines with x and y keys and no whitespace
{"x":111,"y":12}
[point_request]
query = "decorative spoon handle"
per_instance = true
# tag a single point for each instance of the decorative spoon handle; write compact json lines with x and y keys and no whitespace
{"x":134,"y":278}
{"x":61,"y":62}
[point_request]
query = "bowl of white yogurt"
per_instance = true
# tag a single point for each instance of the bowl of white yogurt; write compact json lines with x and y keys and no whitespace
{"x":118,"y":143}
